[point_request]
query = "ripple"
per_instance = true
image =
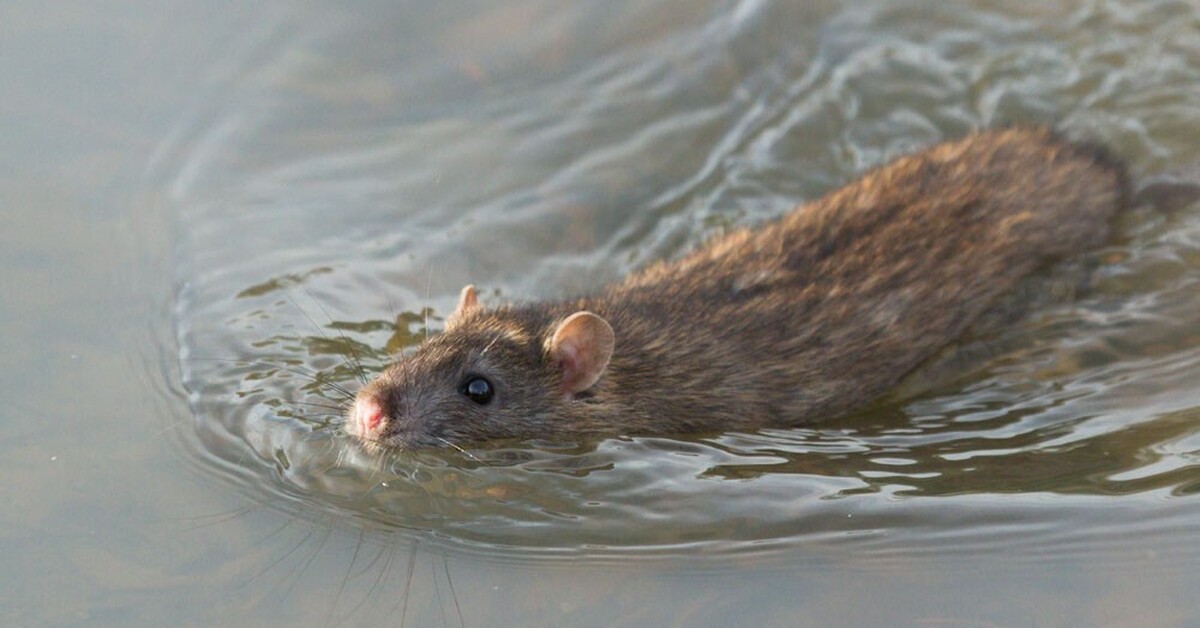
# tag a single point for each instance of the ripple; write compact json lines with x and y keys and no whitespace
{"x":327,"y":217}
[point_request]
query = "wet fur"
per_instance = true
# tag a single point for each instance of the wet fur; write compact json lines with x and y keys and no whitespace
{"x":803,"y":319}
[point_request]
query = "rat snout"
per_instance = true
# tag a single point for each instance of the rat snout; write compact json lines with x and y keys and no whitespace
{"x":366,"y":418}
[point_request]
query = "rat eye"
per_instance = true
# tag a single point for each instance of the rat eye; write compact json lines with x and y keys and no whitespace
{"x":477,"y":389}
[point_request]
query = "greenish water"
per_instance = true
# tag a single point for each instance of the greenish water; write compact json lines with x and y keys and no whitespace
{"x":214,"y":211}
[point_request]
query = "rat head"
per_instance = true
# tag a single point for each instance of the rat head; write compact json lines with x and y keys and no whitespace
{"x":492,"y":374}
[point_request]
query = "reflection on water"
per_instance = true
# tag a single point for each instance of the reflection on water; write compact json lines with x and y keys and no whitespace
{"x":344,"y":181}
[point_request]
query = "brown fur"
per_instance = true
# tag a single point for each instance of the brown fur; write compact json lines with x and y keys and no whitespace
{"x":800,"y":320}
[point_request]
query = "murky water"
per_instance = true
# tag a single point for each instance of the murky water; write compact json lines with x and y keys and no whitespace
{"x":312,"y":186}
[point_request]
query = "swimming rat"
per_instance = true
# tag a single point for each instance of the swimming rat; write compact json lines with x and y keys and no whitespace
{"x":800,"y":320}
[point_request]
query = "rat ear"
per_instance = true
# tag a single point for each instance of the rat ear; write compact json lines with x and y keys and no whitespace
{"x":468,"y":302}
{"x":582,"y":346}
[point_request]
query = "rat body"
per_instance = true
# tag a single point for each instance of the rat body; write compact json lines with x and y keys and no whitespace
{"x":802,"y":319}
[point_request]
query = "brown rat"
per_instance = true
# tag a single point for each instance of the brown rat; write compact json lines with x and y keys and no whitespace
{"x":802,"y":319}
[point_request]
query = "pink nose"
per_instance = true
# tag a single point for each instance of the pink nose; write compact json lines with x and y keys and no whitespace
{"x":367,"y":417}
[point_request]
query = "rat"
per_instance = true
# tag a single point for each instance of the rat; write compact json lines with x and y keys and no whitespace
{"x":803,"y":319}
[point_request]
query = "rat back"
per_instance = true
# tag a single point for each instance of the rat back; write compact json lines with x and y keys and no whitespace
{"x":824,"y":310}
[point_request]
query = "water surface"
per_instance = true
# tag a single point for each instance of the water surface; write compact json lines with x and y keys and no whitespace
{"x":293,"y":190}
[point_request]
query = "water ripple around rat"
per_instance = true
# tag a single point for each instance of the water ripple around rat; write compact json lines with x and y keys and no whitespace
{"x":299,"y":243}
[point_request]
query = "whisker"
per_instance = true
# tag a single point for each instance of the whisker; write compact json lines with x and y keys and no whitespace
{"x":311,"y":374}
{"x":205,"y":521}
{"x":327,"y":406}
{"x":459,"y":449}
{"x":412,"y":564}
{"x":490,"y":344}
{"x":342,"y":587}
{"x":453,"y":595}
{"x":392,"y":306}
{"x":386,"y":555}
{"x":354,"y":358}
{"x":307,"y":418}
{"x":437,"y":591}
{"x":389,"y":555}
{"x":286,"y":555}
{"x":166,"y":429}
{"x":428,"y":287}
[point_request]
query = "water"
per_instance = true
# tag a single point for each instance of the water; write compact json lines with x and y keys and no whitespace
{"x":212,"y":206}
